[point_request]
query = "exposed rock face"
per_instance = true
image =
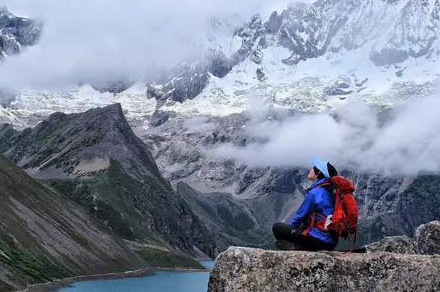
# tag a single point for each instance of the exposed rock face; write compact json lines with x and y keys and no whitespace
{"x":428,"y":238}
{"x":95,"y":159}
{"x":255,"y":270}
{"x":184,"y":82}
{"x":45,"y":236}
{"x":309,"y":31}
{"x":16,"y":32}
{"x":397,"y":244}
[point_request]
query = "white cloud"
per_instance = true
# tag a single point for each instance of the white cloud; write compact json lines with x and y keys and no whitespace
{"x":99,"y":40}
{"x":352,"y":137}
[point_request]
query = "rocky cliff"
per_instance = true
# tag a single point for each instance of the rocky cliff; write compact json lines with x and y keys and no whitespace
{"x":406,"y":268}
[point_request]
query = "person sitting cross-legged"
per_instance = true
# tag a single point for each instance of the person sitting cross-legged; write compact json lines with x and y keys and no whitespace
{"x":305,"y":230}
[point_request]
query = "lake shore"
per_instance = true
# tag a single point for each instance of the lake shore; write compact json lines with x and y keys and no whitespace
{"x":60,"y":283}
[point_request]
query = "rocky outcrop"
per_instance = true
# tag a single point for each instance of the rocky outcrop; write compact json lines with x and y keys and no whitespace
{"x":426,"y":241}
{"x":397,"y":244}
{"x":255,"y":270}
{"x":427,"y":237}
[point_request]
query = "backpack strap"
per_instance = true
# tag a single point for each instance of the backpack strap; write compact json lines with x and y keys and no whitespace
{"x":324,"y":184}
{"x":306,"y":231}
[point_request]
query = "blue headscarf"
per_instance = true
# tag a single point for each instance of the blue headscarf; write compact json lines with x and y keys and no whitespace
{"x":321,"y":165}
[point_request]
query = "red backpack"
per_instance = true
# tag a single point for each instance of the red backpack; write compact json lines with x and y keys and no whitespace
{"x":344,"y":220}
{"x":346,"y":213}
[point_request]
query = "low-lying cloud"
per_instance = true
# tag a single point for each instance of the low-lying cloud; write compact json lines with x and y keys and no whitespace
{"x":355,"y":136}
{"x":112,"y":40}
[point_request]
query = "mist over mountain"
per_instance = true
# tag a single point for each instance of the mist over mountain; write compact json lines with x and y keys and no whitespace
{"x":113,"y":41}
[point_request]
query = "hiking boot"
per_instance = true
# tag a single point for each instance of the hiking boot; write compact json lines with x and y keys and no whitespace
{"x":358,"y":250}
{"x":284,"y":245}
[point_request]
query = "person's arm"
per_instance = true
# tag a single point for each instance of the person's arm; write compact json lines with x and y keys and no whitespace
{"x":304,"y":210}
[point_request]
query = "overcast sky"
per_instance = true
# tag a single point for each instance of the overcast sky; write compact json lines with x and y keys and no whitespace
{"x":86,"y":40}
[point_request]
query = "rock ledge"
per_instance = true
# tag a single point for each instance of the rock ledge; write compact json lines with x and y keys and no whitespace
{"x":254,"y":270}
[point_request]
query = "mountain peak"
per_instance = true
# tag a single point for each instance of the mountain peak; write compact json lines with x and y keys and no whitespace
{"x":95,"y":158}
{"x":80,"y":144}
{"x":115,"y":108}
{"x":4,"y":10}
{"x":17,"y":32}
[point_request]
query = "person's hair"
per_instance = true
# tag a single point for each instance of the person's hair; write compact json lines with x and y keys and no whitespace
{"x":318,"y":173}
{"x":331,"y":170}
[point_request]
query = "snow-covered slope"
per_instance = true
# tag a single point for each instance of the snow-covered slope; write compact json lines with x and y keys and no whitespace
{"x":310,"y":57}
{"x":30,"y":107}
{"x":316,"y":84}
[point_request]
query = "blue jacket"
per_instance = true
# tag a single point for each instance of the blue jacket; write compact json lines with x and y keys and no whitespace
{"x":317,"y":200}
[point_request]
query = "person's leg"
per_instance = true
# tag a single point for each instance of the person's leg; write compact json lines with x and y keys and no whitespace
{"x":282,"y":231}
{"x":284,"y":237}
{"x":286,"y":240}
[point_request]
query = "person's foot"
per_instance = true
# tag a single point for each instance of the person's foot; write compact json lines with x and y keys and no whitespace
{"x":359,"y":250}
{"x":284,"y":245}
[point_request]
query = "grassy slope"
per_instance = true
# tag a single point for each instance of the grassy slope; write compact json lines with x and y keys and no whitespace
{"x":35,"y":220}
{"x":112,"y":196}
{"x":165,"y":259}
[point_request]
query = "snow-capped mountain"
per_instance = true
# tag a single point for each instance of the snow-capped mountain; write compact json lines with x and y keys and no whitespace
{"x":309,"y":57}
{"x":16,"y":33}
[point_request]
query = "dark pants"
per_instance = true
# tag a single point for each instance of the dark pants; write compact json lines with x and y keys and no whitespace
{"x":283,"y":234}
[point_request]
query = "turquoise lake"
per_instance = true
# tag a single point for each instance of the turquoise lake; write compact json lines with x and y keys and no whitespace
{"x":161,"y":281}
